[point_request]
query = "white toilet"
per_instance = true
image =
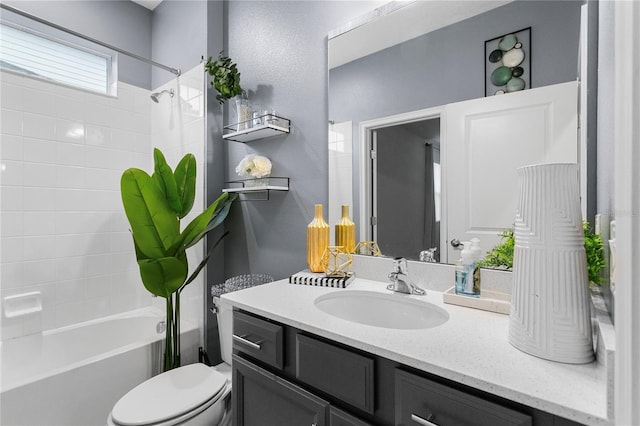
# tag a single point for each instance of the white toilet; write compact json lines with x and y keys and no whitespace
{"x":191,"y":395}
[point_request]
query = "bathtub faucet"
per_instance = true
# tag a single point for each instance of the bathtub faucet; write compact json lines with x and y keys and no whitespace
{"x":161,"y":327}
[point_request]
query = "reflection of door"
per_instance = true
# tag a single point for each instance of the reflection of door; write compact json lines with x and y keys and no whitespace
{"x":403,"y":191}
{"x":487,"y":139}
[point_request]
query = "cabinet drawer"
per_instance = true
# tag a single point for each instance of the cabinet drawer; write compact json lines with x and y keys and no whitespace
{"x":420,"y":401}
{"x":258,"y":338}
{"x":345,"y":375}
{"x":337,"y":417}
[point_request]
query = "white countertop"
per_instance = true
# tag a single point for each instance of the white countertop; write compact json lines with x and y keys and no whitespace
{"x":471,"y":348}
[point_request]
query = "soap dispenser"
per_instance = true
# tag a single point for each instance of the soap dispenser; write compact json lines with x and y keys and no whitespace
{"x":467,"y":273}
{"x":476,"y":254}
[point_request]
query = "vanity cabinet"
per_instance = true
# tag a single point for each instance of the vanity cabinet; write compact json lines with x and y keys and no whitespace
{"x":261,"y":398}
{"x":316,"y":381}
{"x":425,"y":402}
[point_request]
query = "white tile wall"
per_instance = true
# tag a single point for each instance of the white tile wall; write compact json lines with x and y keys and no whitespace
{"x":63,"y":229}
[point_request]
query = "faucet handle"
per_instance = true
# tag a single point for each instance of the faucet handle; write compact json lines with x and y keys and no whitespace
{"x":400,"y":265}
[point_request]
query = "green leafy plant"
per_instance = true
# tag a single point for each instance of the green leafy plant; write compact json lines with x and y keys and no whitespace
{"x":154,"y":206}
{"x":595,"y":254}
{"x":225,"y":77}
{"x":501,"y":256}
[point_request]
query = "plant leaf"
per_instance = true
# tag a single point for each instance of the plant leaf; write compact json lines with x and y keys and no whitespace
{"x":154,"y":224}
{"x":185,"y":178}
{"x":220,"y":213}
{"x":163,"y":276}
{"x":204,"y":262}
{"x":166,"y":181}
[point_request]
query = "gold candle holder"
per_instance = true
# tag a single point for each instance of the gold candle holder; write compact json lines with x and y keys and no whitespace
{"x":337,"y":261}
{"x":346,"y":231}
{"x":368,"y":248}
{"x":317,"y":240}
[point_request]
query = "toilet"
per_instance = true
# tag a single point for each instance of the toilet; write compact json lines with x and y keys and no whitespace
{"x":193,"y":394}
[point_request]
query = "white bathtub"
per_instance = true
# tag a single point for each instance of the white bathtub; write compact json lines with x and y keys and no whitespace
{"x":74,"y":375}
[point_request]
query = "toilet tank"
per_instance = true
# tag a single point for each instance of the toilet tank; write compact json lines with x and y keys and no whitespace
{"x":225,"y":328}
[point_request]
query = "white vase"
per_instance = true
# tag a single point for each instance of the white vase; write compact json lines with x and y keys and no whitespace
{"x":550,"y":303}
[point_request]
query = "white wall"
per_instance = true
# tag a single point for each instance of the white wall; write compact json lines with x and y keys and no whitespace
{"x":63,"y":228}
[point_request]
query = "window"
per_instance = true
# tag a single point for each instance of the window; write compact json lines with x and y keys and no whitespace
{"x":35,"y":54}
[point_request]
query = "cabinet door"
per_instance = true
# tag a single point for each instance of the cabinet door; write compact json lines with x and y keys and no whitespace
{"x":264,"y":399}
{"x":420,"y":401}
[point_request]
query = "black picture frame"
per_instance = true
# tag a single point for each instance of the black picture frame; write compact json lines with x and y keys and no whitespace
{"x":524,"y":37}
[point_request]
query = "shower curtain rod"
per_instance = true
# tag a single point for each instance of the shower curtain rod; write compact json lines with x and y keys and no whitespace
{"x":17,"y":11}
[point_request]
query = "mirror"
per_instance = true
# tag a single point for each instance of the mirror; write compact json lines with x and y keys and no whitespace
{"x":395,"y":73}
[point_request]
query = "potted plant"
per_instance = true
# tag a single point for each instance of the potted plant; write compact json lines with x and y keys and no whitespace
{"x":154,"y":206}
{"x":501,"y":256}
{"x":225,"y":77}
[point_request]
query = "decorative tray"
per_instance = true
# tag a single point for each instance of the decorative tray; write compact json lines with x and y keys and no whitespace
{"x":492,"y":301}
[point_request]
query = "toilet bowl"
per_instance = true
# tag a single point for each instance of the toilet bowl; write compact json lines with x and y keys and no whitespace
{"x":193,"y":394}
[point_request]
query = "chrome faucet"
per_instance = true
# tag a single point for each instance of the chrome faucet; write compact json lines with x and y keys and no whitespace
{"x":400,"y":281}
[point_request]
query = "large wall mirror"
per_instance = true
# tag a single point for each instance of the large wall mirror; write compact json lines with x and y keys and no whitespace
{"x":393,"y":153}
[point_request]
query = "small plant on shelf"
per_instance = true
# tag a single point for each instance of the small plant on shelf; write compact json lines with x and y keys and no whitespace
{"x":225,"y":77}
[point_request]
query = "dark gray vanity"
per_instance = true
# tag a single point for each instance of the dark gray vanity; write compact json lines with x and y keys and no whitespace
{"x":285,"y":376}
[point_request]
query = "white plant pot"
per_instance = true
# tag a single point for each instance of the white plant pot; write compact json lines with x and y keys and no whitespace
{"x":550,"y":303}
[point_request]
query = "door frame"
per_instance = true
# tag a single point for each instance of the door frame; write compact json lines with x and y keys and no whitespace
{"x":365,"y":172}
{"x":627,"y":211}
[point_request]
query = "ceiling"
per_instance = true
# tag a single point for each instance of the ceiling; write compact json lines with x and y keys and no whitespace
{"x":149,"y":4}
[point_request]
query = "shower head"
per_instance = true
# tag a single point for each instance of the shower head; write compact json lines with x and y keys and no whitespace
{"x":155,"y":96}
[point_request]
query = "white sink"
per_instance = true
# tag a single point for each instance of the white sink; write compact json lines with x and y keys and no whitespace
{"x":381,"y":309}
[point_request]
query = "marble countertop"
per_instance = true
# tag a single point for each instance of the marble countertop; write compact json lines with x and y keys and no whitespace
{"x":471,"y":348}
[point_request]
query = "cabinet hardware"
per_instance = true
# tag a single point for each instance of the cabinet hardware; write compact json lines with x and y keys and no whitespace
{"x":242,"y":339}
{"x":422,"y":421}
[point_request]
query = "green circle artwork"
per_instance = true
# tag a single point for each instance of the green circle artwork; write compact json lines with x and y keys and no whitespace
{"x":507,"y":59}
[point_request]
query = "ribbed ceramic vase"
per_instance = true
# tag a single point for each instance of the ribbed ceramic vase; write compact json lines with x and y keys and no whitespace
{"x":550,"y":304}
{"x":346,"y":231}
{"x":317,"y":240}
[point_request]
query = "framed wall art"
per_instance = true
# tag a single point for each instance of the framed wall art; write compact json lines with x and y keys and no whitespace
{"x":507,"y":63}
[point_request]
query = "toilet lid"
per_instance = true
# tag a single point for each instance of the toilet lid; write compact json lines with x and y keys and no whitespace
{"x":168,"y":395}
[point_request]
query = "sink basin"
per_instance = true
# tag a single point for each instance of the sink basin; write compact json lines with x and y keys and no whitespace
{"x":381,"y":309}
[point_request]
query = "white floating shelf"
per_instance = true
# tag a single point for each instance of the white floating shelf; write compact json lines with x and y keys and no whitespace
{"x":274,"y":127}
{"x":257,"y":189}
{"x":246,"y":187}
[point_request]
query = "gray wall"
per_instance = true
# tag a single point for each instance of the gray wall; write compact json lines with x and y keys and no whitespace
{"x":447,"y":65}
{"x":281,"y":51}
{"x":123,"y":24}
{"x":179,"y":36}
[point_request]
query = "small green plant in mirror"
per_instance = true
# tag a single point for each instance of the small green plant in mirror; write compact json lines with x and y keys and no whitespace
{"x":501,"y":256}
{"x":595,"y":254}
{"x":225,"y":77}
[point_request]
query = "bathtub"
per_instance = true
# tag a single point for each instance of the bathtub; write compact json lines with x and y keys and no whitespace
{"x":74,"y":375}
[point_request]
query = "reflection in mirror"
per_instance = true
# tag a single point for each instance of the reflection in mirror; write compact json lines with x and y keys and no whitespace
{"x":406,"y":188}
{"x":440,"y":62}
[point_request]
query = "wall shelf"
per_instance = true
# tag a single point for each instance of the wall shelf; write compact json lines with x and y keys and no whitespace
{"x":265,"y":126}
{"x":247,"y":187}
